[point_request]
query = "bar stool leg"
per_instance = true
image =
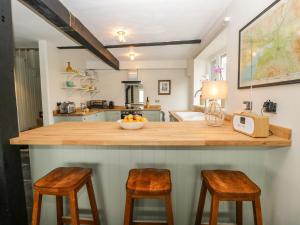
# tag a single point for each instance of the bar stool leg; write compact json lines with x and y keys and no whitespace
{"x":257,"y":211}
{"x":239,"y":212}
{"x":93,"y":203}
{"x":213,"y":220}
{"x":59,"y":210}
{"x":36,"y":209}
{"x":74,"y":208}
{"x":201,"y":204}
{"x":168,"y":205}
{"x":128,"y":216}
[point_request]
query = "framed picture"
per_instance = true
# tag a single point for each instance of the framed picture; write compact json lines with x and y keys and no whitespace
{"x":269,"y":47}
{"x":164,"y":87}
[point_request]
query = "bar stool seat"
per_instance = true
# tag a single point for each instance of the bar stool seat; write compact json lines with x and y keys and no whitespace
{"x":148,"y":184}
{"x":62,"y":180}
{"x":230,"y":183}
{"x":149,"y":181}
{"x":65,"y":181}
{"x":227,"y":185}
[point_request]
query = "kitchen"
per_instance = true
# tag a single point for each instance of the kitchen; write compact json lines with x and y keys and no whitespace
{"x":187,"y":96}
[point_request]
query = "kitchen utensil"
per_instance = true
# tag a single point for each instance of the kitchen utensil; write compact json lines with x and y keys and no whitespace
{"x":99,"y":104}
{"x":111,"y":105}
{"x":67,"y":107}
{"x":70,"y":83}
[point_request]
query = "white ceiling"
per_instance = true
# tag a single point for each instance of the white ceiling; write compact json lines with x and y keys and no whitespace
{"x":143,"y":20}
{"x":29,"y":28}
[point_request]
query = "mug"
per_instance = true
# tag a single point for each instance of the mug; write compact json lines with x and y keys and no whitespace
{"x":70,"y":83}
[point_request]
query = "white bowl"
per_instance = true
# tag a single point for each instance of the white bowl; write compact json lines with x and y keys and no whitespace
{"x":131,"y":125}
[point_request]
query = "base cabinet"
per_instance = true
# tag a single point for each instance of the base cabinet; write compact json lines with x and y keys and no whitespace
{"x":109,"y":116}
{"x":112,"y":116}
{"x":153,"y":116}
{"x":95,"y":117}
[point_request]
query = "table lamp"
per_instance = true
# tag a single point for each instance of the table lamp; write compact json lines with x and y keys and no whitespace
{"x":213,"y":91}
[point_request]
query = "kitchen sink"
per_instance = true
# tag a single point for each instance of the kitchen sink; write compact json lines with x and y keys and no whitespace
{"x":191,"y":116}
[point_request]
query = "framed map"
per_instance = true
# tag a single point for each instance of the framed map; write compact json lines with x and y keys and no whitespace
{"x":269,"y":47}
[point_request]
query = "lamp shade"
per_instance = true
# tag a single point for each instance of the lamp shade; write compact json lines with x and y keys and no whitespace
{"x":214,"y":89}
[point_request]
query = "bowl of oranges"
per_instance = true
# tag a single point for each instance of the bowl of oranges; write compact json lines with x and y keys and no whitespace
{"x":132,"y":122}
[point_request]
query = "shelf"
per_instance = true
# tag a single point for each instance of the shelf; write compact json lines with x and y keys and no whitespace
{"x":81,"y":79}
{"x":88,"y":90}
{"x":81,"y":76}
{"x":90,"y":78}
{"x":79,"y":89}
{"x":75,"y":74}
{"x":71,"y":88}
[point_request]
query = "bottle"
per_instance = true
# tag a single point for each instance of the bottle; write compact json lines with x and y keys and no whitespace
{"x":69,"y":67}
{"x":147,"y":103}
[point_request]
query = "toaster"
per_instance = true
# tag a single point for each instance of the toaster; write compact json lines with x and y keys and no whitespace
{"x":98,"y":104}
{"x":67,"y":107}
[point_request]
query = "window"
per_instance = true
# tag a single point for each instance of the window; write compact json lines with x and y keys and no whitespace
{"x":213,"y":65}
{"x":219,"y":62}
{"x":223,"y":62}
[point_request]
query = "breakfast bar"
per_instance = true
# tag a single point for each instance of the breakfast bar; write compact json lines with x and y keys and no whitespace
{"x":185,"y":148}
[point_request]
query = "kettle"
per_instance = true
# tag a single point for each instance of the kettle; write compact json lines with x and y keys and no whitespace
{"x":111,"y":105}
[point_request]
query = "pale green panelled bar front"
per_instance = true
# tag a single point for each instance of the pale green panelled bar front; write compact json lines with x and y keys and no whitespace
{"x":110,"y":170}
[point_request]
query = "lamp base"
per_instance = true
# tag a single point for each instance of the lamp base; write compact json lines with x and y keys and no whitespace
{"x":214,"y":114}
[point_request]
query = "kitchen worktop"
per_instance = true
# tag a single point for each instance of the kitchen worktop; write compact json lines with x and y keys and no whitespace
{"x":116,"y":108}
{"x":153,"y":134}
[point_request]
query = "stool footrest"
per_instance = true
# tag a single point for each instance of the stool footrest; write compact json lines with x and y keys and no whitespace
{"x":148,"y":223}
{"x":68,"y":220}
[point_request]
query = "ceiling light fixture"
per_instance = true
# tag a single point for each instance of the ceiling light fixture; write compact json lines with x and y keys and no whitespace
{"x":227,"y":19}
{"x":132,"y":56}
{"x":121,"y":35}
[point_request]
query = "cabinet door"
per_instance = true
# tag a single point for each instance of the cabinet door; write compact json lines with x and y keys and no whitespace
{"x":100,"y":116}
{"x":58,"y":119}
{"x":76,"y":118}
{"x":153,"y":116}
{"x":89,"y":118}
{"x":113,"y":115}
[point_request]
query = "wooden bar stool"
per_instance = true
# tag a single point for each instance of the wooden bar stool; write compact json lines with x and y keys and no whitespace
{"x":148,"y":184}
{"x":65,"y":181}
{"x":225,"y":185}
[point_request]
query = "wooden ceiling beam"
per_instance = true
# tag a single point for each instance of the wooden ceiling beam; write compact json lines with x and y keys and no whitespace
{"x":186,"y":42}
{"x":59,"y":16}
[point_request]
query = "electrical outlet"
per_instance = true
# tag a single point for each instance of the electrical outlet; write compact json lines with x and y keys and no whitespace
{"x":157,"y":101}
{"x":269,"y":107}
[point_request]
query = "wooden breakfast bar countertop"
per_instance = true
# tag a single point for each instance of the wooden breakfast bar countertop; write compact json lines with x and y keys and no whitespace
{"x":153,"y":134}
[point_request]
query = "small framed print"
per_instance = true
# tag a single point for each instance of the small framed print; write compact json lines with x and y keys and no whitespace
{"x":164,"y":87}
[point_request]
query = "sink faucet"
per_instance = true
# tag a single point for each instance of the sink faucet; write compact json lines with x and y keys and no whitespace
{"x":197,"y":92}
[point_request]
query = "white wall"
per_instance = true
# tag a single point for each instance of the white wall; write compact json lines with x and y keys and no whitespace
{"x":111,"y":88}
{"x":109,"y":85}
{"x":281,"y":199}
